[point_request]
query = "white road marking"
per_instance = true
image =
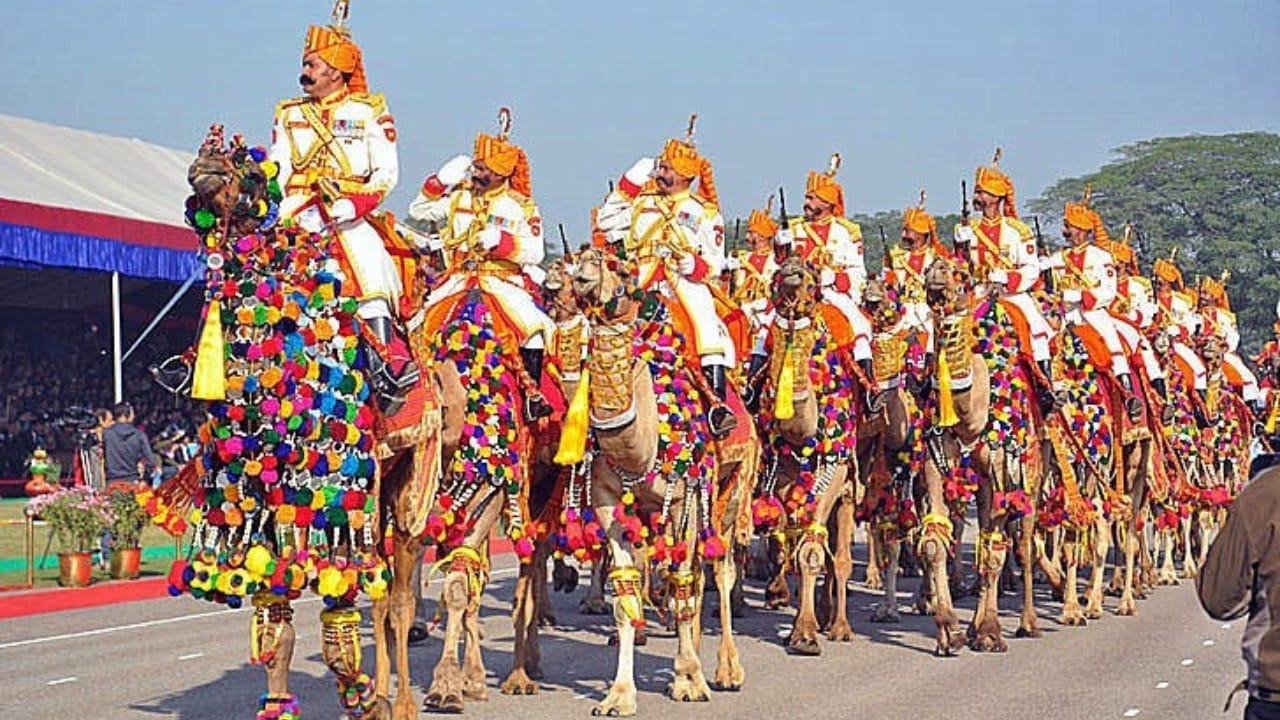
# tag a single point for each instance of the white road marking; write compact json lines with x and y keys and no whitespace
{"x":1132,"y":712}
{"x":1207,"y":643}
{"x":192,"y":656}
{"x":60,"y":681}
{"x":1187,"y":662}
{"x":1162,"y":685}
{"x":168,"y":621}
{"x":1226,"y":626}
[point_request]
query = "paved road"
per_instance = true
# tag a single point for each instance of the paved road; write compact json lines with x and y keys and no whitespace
{"x":187,"y":659}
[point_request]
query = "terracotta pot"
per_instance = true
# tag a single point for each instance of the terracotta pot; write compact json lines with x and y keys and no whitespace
{"x":126,"y":563}
{"x":75,"y":569}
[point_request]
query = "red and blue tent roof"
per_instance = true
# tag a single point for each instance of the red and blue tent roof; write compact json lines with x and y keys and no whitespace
{"x":77,"y":199}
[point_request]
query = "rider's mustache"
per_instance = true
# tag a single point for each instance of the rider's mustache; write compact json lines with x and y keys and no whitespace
{"x":306,"y":80}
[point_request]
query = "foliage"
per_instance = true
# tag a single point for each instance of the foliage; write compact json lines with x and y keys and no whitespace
{"x":127,"y":517}
{"x":1215,"y":197}
{"x":77,"y":515}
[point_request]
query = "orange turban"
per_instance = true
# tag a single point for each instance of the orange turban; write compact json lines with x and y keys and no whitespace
{"x":1167,"y":271}
{"x":1212,"y":292}
{"x":506,"y":159}
{"x":917,"y":220}
{"x":685,"y":160}
{"x":991,"y":179}
{"x":825,"y":186}
{"x":762,"y":223}
{"x":335,"y":47}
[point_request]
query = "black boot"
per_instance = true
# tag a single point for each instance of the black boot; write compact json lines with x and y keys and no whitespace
{"x":1045,"y":396}
{"x":755,"y":379}
{"x":1166,"y":407}
{"x":535,"y":405}
{"x":390,"y":377}
{"x":720,"y":418}
{"x":1132,"y":403}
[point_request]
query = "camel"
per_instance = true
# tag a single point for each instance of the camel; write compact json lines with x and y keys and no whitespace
{"x":648,"y":461}
{"x":806,"y":491}
{"x":232,"y":207}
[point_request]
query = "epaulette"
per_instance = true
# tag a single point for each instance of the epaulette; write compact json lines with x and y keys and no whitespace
{"x":290,"y":102}
{"x":1023,"y":229}
{"x":377,"y":101}
{"x":855,"y":230}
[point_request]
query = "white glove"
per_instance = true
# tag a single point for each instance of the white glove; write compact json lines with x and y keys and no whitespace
{"x":535,"y":273}
{"x":732,"y":264}
{"x":616,"y":237}
{"x":1071,"y":295}
{"x":490,"y":237}
{"x":640,"y":172}
{"x":342,"y":211}
{"x":687,"y":265}
{"x":965,"y":235}
{"x":454,"y":171}
{"x":998,"y":276}
{"x":310,"y":219}
{"x":784,"y":238}
{"x":828,"y":277}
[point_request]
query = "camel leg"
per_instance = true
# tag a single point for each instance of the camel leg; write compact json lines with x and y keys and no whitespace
{"x":1093,"y":596}
{"x":445,"y":693}
{"x":987,"y":635}
{"x":811,"y":561}
{"x":840,"y":630}
{"x":729,"y":672}
{"x":340,"y":650}
{"x":777,"y":594}
{"x":1168,"y":574}
{"x":524,"y":615}
{"x":887,"y":610}
{"x":273,"y":635}
{"x":1189,"y":526}
{"x":956,"y":570}
{"x":594,"y":603}
{"x":1027,"y":551}
{"x":628,"y":612}
{"x":395,"y":612}
{"x":689,"y":684}
{"x":875,"y":578}
{"x":1128,"y":604}
{"x":1050,"y":564}
{"x":544,"y":616}
{"x":1072,"y":614}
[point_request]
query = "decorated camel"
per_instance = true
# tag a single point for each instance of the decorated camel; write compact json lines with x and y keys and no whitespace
{"x":808,"y":424}
{"x":660,"y":491}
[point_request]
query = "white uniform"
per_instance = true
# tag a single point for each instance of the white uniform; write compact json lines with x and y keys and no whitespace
{"x":1181,"y":321}
{"x":835,"y":245}
{"x":349,"y":138}
{"x":664,"y":232}
{"x":1140,"y":312}
{"x":908,"y":270}
{"x":1086,"y":278}
{"x":512,"y":226}
{"x":754,"y":280}
{"x":1223,"y":322}
{"x":1006,"y":247}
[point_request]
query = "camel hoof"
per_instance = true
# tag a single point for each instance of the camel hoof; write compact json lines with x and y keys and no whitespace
{"x":874,"y":582}
{"x":443,"y":703}
{"x":1093,"y":612}
{"x":518,"y":683}
{"x":1126,"y":609}
{"x":1028,"y":632}
{"x":1075,"y":619}
{"x":806,"y":646}
{"x":689,"y":690}
{"x":726,"y":686}
{"x":620,"y":702}
{"x":988,"y":643}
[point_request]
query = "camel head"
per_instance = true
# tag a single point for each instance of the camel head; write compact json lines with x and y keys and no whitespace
{"x":795,"y":289}
{"x":603,"y":284}
{"x":233,"y":188}
{"x":946,"y":286}
{"x":880,"y":301}
{"x":557,"y":289}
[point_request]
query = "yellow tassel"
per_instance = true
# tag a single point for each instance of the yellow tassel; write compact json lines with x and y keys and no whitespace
{"x":210,"y":377}
{"x":784,"y":404}
{"x":946,"y":406}
{"x":573,"y":435}
{"x":1273,"y":418}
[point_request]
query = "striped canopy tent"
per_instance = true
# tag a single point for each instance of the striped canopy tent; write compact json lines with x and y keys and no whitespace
{"x":77,"y":199}
{"x":78,"y":207}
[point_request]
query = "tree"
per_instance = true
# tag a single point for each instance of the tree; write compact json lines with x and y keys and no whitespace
{"x":1215,"y":197}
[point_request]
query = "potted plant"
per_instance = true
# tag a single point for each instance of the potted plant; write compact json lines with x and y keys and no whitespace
{"x":45,"y":472}
{"x":77,"y":516}
{"x":127,"y":519}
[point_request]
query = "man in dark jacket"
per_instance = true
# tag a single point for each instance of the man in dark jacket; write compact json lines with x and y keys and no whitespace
{"x":126,"y":452}
{"x":1242,"y":575}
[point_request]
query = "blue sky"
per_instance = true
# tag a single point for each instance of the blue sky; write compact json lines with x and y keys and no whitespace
{"x":910,"y":93}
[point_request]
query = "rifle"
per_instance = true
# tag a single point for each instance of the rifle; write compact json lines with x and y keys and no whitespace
{"x":885,"y":261}
{"x":564,"y":244}
{"x":782,"y":217}
{"x":1046,"y":273}
{"x":737,"y":227}
{"x":964,"y":203}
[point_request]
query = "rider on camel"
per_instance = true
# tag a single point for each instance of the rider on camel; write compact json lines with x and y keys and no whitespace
{"x":676,"y":234}
{"x":1218,"y":320}
{"x":492,"y":235}
{"x":753,"y":291}
{"x":1001,"y":252}
{"x":336,"y":152}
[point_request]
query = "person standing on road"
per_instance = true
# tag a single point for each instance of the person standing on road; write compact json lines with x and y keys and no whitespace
{"x":1241,"y":575}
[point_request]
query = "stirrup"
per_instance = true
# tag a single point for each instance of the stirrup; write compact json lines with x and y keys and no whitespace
{"x":721,"y":420}
{"x":536,"y":407}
